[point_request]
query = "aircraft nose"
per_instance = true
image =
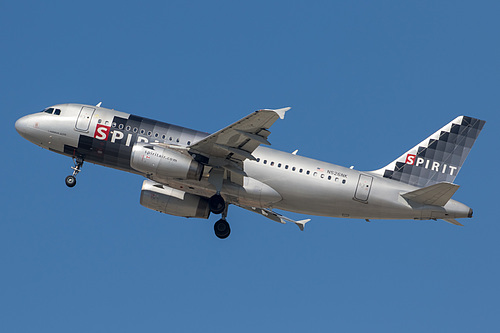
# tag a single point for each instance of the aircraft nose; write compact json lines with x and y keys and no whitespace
{"x":21,"y":125}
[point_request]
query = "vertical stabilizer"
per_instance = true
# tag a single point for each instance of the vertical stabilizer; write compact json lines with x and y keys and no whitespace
{"x":439,"y":157}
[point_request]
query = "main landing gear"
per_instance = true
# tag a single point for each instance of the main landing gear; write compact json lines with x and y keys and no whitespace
{"x":71,"y":180}
{"x":218,"y":205}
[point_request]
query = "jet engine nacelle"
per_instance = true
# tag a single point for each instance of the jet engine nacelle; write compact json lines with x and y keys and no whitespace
{"x":164,"y":162}
{"x":167,"y":200}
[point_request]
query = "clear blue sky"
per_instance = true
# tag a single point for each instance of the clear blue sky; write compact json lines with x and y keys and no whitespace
{"x":366,"y":80}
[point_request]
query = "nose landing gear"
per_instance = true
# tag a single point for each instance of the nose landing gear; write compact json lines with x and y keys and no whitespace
{"x":71,"y":180}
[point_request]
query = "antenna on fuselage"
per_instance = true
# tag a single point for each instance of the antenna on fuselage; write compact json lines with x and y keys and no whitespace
{"x":295,"y":152}
{"x":99,"y":104}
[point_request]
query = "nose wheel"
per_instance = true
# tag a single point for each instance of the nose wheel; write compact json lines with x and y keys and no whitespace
{"x":71,"y":180}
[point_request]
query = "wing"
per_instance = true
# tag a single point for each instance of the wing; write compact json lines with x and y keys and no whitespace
{"x":237,"y":142}
{"x":272,"y":215}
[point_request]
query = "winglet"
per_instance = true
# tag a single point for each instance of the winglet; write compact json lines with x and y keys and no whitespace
{"x":301,"y":224}
{"x":281,"y":112}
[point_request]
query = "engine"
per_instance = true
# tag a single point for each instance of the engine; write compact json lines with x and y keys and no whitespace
{"x":167,"y":200}
{"x":164,"y":162}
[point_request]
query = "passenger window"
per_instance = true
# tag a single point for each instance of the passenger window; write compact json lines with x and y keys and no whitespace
{"x":135,"y":129}
{"x":315,"y":174}
{"x":343,"y":181}
{"x":157,"y":135}
{"x":114,"y":124}
{"x":143,"y":131}
{"x":99,"y":121}
{"x":120,"y":126}
{"x":286,"y":167}
{"x":106,"y":123}
{"x":329,"y":177}
{"x":149,"y":133}
{"x":170,"y":138}
{"x":127,"y":128}
{"x":265,"y":161}
{"x":279,"y":165}
{"x":58,"y":112}
{"x":163,"y":136}
{"x":272,"y":163}
{"x":301,"y":170}
{"x":308,"y":172}
{"x":177,"y":140}
{"x":189,"y":143}
{"x":258,"y":160}
{"x":293,"y":169}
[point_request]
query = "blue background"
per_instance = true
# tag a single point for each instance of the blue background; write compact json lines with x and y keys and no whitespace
{"x":367,"y":80}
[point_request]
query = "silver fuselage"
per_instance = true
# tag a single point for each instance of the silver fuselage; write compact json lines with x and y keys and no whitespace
{"x":291,"y":182}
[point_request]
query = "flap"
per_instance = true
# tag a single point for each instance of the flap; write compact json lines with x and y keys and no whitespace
{"x":437,"y":194}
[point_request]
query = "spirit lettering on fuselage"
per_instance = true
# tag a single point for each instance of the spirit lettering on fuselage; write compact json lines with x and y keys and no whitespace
{"x":412,"y":159}
{"x":102,"y":133}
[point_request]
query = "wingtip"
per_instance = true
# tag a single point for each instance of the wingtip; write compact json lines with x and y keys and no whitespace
{"x":281,"y":112}
{"x":301,"y":224}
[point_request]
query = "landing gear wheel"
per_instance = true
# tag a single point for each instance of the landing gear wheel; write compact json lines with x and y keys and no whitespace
{"x":70,"y":181}
{"x":217,"y":204}
{"x":222,"y":229}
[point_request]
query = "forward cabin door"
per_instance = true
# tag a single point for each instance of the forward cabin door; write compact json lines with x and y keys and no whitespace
{"x":83,"y":121}
{"x":364,"y":187}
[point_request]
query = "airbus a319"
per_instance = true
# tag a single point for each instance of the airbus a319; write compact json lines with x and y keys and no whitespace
{"x":193,"y":174}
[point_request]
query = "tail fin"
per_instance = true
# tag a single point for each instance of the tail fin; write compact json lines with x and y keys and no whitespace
{"x":439,"y":157}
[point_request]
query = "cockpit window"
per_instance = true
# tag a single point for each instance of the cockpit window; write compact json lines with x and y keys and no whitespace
{"x":52,"y":111}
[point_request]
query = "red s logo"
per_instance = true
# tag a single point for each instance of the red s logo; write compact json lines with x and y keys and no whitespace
{"x":101,"y":132}
{"x":410,"y":159}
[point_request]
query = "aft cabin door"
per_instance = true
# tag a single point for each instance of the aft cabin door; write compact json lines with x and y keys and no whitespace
{"x":83,"y":121}
{"x":363,"y":189}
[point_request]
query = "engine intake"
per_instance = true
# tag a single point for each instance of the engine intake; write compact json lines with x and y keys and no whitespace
{"x":170,"y":201}
{"x":164,"y":162}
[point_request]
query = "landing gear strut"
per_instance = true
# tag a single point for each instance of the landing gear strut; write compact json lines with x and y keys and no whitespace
{"x":71,"y":180}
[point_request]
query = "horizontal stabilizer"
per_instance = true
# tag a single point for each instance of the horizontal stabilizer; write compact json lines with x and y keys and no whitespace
{"x":453,"y":221}
{"x":437,"y":194}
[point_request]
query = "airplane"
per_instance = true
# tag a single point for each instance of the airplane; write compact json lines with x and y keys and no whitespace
{"x":193,"y":174}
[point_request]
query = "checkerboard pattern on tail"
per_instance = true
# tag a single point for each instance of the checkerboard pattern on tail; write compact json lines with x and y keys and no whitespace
{"x":438,"y":158}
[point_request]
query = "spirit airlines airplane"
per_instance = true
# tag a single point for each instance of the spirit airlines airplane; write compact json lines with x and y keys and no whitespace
{"x":193,"y":174}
